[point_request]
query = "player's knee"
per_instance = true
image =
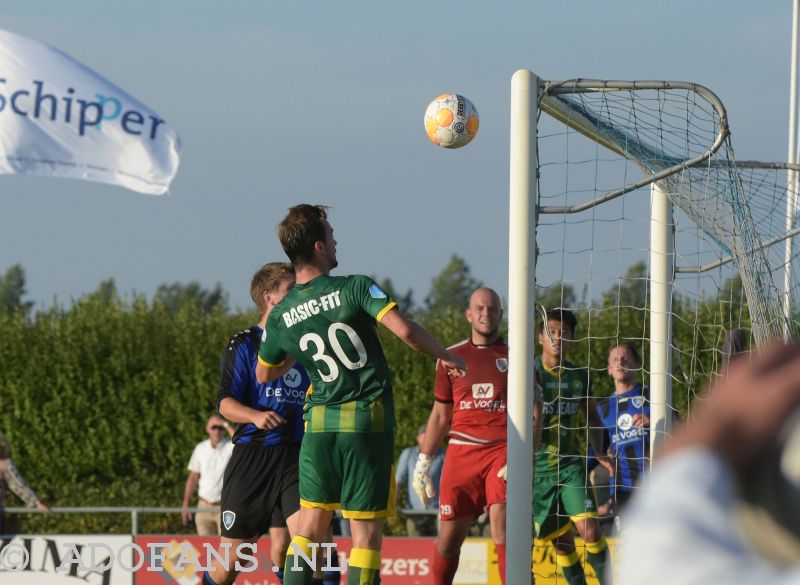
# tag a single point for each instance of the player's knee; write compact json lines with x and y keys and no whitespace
{"x":591,"y":531}
{"x":448,"y":544}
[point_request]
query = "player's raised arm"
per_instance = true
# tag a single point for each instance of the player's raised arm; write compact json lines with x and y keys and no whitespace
{"x":418,"y":339}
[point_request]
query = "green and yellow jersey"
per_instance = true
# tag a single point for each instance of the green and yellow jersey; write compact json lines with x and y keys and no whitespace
{"x":329,"y":325}
{"x":564,"y":435}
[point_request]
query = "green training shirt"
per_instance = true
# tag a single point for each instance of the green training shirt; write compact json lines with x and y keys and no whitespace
{"x":329,"y":325}
{"x":564,"y":433}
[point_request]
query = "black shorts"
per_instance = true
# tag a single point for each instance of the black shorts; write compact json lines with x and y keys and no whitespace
{"x":259,"y":489}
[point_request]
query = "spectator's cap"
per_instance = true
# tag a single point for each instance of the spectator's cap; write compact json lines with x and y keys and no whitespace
{"x":421,"y":429}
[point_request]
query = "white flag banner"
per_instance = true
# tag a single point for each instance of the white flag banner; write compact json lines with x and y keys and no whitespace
{"x":61,"y":119}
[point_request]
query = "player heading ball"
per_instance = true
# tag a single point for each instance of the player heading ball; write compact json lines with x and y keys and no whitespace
{"x":347,"y":452}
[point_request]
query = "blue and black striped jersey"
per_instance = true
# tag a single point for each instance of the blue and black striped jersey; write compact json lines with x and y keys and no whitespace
{"x":629,"y":444}
{"x":285,"y":395}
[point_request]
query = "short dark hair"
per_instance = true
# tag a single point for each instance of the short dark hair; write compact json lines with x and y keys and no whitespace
{"x":631,"y":348}
{"x":267,"y":279}
{"x":302,"y":227}
{"x":563,"y":316}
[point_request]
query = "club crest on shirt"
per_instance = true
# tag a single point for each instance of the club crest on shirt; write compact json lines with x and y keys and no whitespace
{"x":625,"y":421}
{"x":637,"y":401}
{"x":228,"y":518}
{"x":502,"y":364}
{"x":264,"y":335}
{"x":376,"y":292}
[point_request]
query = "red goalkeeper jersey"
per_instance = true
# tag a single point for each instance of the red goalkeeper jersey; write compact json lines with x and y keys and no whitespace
{"x":479,"y":398}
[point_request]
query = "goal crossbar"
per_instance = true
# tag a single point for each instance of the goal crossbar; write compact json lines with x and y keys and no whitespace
{"x":552,"y":101}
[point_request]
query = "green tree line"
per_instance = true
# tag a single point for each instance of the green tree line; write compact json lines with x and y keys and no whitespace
{"x":104,"y":400}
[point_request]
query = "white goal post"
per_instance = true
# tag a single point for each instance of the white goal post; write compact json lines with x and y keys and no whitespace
{"x":521,"y":299}
{"x":671,"y":138}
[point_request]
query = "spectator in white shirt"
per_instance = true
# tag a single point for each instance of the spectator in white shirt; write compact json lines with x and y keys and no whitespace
{"x":206,"y":469}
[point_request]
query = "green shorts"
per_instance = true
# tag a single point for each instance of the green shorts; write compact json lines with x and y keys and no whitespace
{"x":351,"y":471}
{"x":559,"y":499}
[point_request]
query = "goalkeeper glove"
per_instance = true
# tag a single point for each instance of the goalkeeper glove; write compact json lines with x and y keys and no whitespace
{"x":503,"y":473}
{"x":422,"y":483}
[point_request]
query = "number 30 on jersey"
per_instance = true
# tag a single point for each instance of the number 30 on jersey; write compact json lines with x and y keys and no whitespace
{"x":331,"y":368}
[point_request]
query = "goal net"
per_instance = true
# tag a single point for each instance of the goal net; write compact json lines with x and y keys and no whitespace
{"x":714,"y":265}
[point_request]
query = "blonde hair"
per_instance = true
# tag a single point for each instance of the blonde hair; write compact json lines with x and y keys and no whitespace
{"x":267,"y":279}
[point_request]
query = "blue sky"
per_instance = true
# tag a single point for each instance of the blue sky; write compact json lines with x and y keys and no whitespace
{"x":322,"y":102}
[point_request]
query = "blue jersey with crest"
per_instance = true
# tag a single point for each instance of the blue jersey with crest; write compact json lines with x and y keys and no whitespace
{"x":285,"y":395}
{"x":630,"y":445}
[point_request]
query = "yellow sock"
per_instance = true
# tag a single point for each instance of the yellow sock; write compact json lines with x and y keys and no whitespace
{"x":365,"y":567}
{"x":299,"y":575}
{"x":597,"y":546}
{"x":567,"y":560}
{"x":570,"y":567}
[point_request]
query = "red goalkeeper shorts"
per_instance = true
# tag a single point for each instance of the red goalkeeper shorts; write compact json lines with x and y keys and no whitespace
{"x":469,"y":483}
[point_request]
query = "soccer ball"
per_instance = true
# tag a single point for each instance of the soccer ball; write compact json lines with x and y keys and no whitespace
{"x":451,"y":121}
